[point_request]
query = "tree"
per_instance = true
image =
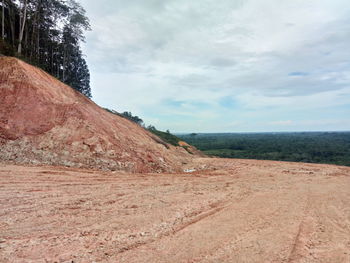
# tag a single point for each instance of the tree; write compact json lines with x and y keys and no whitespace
{"x":48,"y":34}
{"x":151,"y":128}
{"x":3,"y":19}
{"x":75,"y":71}
{"x":22,"y":24}
{"x":136,"y":119}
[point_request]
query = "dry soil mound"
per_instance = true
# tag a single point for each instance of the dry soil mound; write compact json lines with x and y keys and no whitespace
{"x":44,"y":121}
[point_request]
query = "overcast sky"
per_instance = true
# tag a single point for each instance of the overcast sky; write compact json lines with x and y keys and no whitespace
{"x":223,"y":66}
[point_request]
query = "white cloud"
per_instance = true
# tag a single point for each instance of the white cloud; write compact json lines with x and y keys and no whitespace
{"x":283,"y":123}
{"x":274,"y":59}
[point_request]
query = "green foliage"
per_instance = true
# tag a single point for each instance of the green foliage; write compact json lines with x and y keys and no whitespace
{"x":128,"y":115}
{"x":6,"y":49}
{"x":52,"y":34}
{"x":312,"y":147}
{"x":112,"y":111}
{"x":165,"y":136}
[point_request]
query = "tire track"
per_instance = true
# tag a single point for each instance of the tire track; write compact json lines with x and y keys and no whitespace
{"x":302,"y":230}
{"x":179,"y":228}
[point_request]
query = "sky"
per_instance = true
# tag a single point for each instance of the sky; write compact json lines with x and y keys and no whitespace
{"x":223,"y":66}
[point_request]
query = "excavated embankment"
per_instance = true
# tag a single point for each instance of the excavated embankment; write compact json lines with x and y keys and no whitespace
{"x":43,"y":121}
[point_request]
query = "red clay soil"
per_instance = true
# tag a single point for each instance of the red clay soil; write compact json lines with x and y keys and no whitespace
{"x":232,"y":211}
{"x":218,"y":211}
{"x":43,"y":121}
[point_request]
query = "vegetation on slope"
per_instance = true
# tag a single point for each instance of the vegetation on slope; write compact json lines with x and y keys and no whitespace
{"x":128,"y":115}
{"x":165,"y":136}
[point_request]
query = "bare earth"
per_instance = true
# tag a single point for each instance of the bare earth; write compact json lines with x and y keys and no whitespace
{"x":43,"y":121}
{"x":229,"y":211}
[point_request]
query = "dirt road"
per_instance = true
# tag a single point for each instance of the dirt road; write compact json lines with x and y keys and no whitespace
{"x":229,"y":211}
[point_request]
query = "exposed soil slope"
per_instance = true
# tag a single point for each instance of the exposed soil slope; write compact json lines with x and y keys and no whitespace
{"x":43,"y":121}
{"x":235,"y":211}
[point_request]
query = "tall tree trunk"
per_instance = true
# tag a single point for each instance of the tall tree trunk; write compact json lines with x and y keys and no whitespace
{"x":64,"y":64}
{"x":12,"y":23}
{"x":34,"y":26}
{"x":35,"y":31}
{"x":3,"y":20}
{"x":19,"y":51}
{"x":38,"y":44}
{"x":26,"y":41}
{"x":20,"y":7}
{"x":58,"y":62}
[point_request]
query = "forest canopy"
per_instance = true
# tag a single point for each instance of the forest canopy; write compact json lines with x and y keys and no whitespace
{"x":48,"y":34}
{"x":309,"y":147}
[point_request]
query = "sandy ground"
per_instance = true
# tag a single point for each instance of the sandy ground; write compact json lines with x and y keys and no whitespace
{"x":230,"y":211}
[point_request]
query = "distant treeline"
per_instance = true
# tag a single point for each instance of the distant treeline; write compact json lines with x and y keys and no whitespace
{"x":312,"y":147}
{"x":47,"y":33}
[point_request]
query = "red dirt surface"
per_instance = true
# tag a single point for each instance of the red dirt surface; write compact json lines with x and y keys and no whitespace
{"x":226,"y":211}
{"x":218,"y":210}
{"x":43,"y":121}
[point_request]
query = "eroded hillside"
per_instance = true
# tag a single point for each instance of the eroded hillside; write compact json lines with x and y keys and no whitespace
{"x":43,"y":121}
